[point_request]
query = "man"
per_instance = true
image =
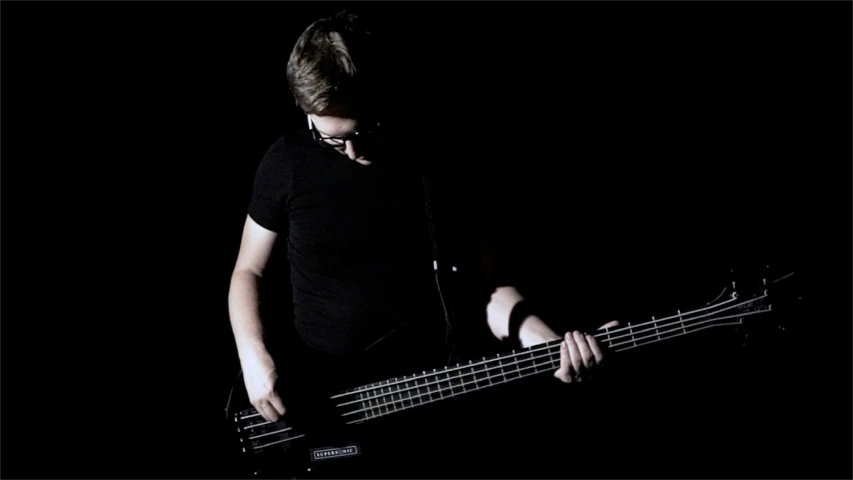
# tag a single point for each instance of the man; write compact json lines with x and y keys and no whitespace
{"x":354,"y":213}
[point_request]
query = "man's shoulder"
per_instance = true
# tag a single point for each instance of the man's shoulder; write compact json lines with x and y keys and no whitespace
{"x":275,"y":171}
{"x":291,"y":152}
{"x":287,"y":145}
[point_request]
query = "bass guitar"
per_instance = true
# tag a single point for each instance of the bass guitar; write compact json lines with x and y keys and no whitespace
{"x":323,"y":430}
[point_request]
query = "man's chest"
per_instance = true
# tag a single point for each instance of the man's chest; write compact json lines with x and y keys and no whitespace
{"x":339,"y":221}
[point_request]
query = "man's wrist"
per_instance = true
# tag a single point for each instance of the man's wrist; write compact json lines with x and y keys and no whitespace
{"x":250,"y":348}
{"x":534,"y":331}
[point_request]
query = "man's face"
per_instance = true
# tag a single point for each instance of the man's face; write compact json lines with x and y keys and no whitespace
{"x":353,"y":138}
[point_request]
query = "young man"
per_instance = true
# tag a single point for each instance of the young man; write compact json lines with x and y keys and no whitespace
{"x":351,"y":207}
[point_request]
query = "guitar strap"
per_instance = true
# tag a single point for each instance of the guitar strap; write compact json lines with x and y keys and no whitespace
{"x":437,"y":264}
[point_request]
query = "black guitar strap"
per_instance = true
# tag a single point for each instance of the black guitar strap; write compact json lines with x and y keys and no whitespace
{"x":437,"y":265}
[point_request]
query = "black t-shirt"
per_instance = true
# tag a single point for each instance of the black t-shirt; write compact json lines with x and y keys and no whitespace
{"x":358,"y":242}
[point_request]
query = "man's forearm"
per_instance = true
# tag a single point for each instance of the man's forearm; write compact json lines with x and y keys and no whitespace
{"x":533,"y":330}
{"x":243,"y":307}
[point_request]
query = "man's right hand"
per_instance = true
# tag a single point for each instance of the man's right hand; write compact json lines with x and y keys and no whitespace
{"x":261,"y":378}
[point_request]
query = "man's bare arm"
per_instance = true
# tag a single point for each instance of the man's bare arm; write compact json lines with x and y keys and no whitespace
{"x":259,"y":369}
{"x":243,"y":302}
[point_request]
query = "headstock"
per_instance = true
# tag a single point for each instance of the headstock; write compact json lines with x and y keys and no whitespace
{"x":776,"y":290}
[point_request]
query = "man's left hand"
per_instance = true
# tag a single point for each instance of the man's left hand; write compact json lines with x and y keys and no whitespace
{"x":580,"y":355}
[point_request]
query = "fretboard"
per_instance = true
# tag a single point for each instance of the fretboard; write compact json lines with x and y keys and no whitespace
{"x":403,"y":393}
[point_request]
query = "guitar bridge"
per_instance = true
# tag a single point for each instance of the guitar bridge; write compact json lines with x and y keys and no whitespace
{"x":257,"y":435}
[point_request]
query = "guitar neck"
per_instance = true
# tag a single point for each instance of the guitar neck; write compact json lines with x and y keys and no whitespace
{"x":403,"y":393}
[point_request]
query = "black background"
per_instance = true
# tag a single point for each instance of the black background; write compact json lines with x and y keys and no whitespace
{"x":631,"y":150}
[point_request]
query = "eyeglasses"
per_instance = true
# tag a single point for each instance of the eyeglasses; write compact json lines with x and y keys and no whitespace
{"x":339,"y":142}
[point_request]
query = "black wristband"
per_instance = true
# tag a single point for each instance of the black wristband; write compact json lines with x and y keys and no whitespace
{"x":519,"y":313}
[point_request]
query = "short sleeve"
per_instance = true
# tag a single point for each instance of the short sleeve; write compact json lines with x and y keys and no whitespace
{"x":269,"y":190}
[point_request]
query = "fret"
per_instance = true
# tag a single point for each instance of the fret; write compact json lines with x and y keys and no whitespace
{"x":456,"y":384}
{"x":608,"y":340}
{"x":655,"y":323}
{"x":391,"y":394}
{"x":428,"y":384}
{"x":517,"y":366}
{"x":501,"y":364}
{"x":431,"y":387}
{"x":364,"y":405}
{"x":438,"y":382}
{"x":450,"y":379}
{"x":551,"y":358}
{"x":487,"y":372}
{"x":682,"y":321}
{"x":461,"y":380}
{"x":380,"y":401}
{"x":370,"y":403}
{"x":473,"y":375}
{"x":400,"y":397}
{"x":464,"y":373}
{"x":402,"y":388}
{"x":534,"y":361}
{"x":409,"y":393}
{"x":420,"y":393}
{"x":517,"y":369}
{"x":519,"y":362}
{"x":631,"y":331}
{"x":384,"y":398}
{"x":412,"y":385}
{"x":434,"y":387}
{"x":425,"y":393}
{"x":482,"y":376}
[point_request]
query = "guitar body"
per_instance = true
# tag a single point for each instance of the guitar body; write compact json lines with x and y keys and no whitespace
{"x":305,"y":443}
{"x":318,"y":437}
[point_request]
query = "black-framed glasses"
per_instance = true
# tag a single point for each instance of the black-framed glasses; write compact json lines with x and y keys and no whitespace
{"x":339,"y":142}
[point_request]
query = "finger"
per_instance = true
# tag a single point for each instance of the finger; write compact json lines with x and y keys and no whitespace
{"x":263,"y":409}
{"x":274,"y":416}
{"x":596,"y":350}
{"x":586,"y":354}
{"x":560,"y":373}
{"x":564,"y":373}
{"x":277,"y":404}
{"x":574,"y":355}
{"x":614,"y":323}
